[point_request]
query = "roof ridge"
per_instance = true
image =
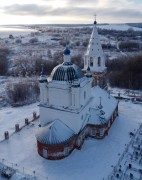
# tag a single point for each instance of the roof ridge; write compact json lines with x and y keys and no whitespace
{"x":65,"y":125}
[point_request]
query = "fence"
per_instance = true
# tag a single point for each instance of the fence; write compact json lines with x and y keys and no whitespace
{"x":114,"y":174}
{"x":23,"y":172}
{"x":18,"y":128}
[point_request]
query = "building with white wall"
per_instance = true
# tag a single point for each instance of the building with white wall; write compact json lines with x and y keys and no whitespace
{"x":71,"y":110}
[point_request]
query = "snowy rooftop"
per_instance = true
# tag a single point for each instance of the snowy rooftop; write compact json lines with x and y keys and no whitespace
{"x":55,"y":132}
{"x":100,"y":115}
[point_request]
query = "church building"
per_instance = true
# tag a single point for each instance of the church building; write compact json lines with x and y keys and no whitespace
{"x":71,"y":110}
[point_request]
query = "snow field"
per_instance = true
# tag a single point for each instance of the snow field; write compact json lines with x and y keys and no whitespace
{"x":93,"y":161}
{"x":11,"y":116}
{"x":119,"y":27}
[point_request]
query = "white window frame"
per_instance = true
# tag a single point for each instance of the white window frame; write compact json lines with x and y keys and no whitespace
{"x":66,"y":151}
{"x":45,"y":152}
{"x":93,"y":132}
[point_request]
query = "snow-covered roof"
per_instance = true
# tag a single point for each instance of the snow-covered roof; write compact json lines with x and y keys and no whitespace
{"x":100,"y":115}
{"x":55,"y":132}
{"x":94,"y":44}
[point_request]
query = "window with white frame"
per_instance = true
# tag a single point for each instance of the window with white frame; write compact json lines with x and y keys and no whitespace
{"x":93,"y":132}
{"x":101,"y":132}
{"x":45,"y":152}
{"x":66,"y":150}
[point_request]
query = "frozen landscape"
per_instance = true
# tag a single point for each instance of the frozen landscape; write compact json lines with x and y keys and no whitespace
{"x":15,"y":30}
{"x":120,"y":27}
{"x":97,"y":158}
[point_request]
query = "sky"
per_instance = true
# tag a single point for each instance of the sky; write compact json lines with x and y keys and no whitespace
{"x":69,"y":11}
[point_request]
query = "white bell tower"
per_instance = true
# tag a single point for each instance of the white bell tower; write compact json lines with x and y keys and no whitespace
{"x":95,"y":58}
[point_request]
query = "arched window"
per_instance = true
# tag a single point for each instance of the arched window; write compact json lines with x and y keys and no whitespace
{"x":91,"y":61}
{"x":99,"y":61}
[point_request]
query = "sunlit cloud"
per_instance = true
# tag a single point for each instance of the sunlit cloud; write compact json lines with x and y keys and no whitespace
{"x":72,"y":11}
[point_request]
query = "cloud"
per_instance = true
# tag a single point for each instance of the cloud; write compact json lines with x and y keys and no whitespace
{"x":27,"y":9}
{"x":112,"y":11}
{"x":38,"y":10}
{"x":80,"y":2}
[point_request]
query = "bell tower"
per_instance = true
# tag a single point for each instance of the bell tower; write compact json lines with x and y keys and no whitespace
{"x":95,"y":58}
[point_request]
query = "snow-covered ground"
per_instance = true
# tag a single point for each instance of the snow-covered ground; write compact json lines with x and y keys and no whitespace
{"x":93,"y":161}
{"x":121,"y":27}
{"x":130,"y":163}
{"x":10,"y":116}
{"x":15,"y":31}
{"x":125,"y":93}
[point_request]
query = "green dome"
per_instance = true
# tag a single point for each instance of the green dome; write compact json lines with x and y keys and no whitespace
{"x":66,"y":72}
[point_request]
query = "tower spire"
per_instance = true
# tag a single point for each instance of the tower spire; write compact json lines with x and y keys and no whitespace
{"x":95,"y":22}
{"x":95,"y":16}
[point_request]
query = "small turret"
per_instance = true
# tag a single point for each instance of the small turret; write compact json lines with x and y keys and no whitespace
{"x":95,"y":22}
{"x":43,"y":88}
{"x":42,"y":77}
{"x":76,"y":82}
{"x":67,"y":59}
{"x":75,"y":90}
{"x":88,"y":72}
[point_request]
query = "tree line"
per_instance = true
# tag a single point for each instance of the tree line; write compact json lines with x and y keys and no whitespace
{"x":26,"y":90}
{"x":22,"y":92}
{"x":126,"y":72}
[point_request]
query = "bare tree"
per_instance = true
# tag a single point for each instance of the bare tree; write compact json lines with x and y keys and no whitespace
{"x":22,"y":92}
{"x":3,"y":60}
